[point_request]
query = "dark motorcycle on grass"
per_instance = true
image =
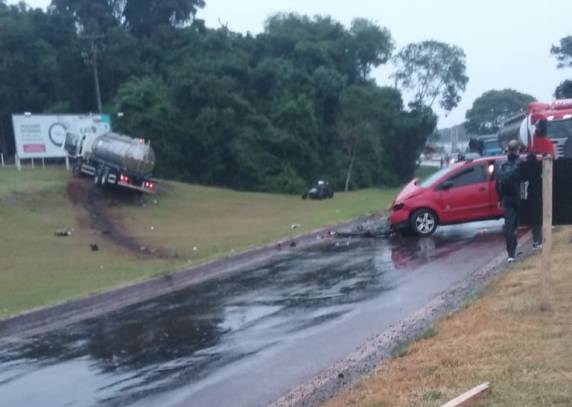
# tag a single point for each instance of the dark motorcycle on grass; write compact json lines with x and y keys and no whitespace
{"x":321,"y":190}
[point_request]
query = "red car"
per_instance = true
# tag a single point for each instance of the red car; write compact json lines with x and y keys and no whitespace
{"x":462,"y":192}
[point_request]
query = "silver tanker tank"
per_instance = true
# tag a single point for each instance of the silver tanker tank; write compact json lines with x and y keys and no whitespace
{"x":131,"y":155}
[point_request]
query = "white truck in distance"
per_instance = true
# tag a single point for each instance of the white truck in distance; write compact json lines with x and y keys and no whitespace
{"x":113,"y":159}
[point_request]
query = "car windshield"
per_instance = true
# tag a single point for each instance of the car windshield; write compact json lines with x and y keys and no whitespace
{"x":427,"y":182}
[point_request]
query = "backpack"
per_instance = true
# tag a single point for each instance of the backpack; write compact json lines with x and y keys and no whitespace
{"x":509,"y":185}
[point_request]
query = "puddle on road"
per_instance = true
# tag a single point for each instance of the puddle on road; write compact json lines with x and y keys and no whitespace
{"x":177,"y":340}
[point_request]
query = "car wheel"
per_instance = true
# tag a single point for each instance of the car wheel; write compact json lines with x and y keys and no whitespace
{"x":424,"y":222}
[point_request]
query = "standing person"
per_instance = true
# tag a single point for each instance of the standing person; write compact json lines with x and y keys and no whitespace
{"x":542,"y":145}
{"x":508,"y":192}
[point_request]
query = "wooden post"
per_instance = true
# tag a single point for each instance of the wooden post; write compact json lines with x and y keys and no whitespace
{"x":33,"y":166}
{"x":471,"y":397}
{"x":43,"y":163}
{"x":18,"y":163}
{"x":546,"y":259}
{"x":2,"y":159}
{"x":67,"y":163}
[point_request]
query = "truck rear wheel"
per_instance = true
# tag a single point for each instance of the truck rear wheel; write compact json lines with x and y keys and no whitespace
{"x":98,"y":177}
{"x":104,"y":176}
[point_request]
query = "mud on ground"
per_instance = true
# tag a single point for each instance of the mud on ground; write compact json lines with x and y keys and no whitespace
{"x":98,"y":213}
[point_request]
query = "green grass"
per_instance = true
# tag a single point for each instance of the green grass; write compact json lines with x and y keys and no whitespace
{"x":216,"y":221}
{"x":39,"y":269}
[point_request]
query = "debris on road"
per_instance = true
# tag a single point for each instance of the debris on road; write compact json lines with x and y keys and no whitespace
{"x":94,"y":247}
{"x":372,"y":228}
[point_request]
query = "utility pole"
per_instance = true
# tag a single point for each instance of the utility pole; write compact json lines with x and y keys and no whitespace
{"x":90,"y":58}
{"x":454,"y":139}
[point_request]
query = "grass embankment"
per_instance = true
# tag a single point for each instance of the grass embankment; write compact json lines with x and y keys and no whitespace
{"x":217,"y":221}
{"x":502,"y":338}
{"x":38,"y":268}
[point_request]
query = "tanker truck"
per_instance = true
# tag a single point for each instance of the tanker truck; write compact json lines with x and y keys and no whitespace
{"x":113,"y":159}
{"x":558,"y":116}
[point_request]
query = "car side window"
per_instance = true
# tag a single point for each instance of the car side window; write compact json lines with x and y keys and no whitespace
{"x":473,"y":175}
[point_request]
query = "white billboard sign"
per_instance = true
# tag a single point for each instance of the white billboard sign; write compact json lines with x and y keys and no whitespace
{"x":44,"y":135}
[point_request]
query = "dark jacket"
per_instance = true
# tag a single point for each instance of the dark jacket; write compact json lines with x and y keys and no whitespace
{"x":509,"y":200}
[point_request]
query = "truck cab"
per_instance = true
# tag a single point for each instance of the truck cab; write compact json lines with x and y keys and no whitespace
{"x":558,"y":116}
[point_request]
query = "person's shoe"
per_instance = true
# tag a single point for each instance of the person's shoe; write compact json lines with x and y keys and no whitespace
{"x":537,"y":246}
{"x":510,"y":259}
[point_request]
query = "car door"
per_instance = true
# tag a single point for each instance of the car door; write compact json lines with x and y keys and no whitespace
{"x":466,"y":195}
{"x":495,"y":211}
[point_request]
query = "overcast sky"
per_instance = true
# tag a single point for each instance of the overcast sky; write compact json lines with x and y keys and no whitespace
{"x":507,"y":42}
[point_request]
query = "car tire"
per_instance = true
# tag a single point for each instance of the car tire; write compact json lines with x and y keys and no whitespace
{"x":423,"y":222}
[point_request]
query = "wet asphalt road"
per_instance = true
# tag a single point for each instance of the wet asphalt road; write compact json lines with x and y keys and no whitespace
{"x":246,"y":339}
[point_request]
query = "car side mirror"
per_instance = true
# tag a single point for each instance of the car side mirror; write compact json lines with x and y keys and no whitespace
{"x":447,"y":185}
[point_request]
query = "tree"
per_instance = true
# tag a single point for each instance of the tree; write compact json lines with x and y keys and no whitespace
{"x":433,"y":71}
{"x":140,"y":17}
{"x":493,"y":108}
{"x":271,"y":112}
{"x":372,"y":45}
{"x":92,"y":15}
{"x":407,"y":139}
{"x":365,"y":111}
{"x":40,"y":72}
{"x":563,"y":52}
{"x":564,"y":90}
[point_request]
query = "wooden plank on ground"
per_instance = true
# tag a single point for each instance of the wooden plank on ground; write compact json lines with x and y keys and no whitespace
{"x":470,"y":397}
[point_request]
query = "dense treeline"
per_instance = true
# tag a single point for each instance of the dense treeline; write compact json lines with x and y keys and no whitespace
{"x":269,"y":112}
